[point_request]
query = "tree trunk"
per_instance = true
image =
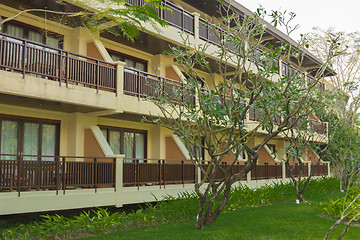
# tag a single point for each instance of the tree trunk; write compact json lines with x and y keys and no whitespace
{"x":207,"y":215}
{"x":299,"y":192}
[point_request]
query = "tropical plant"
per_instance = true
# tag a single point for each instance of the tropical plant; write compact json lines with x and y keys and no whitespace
{"x":210,"y":114}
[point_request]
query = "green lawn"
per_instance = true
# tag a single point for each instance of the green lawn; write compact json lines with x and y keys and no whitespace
{"x":280,"y":221}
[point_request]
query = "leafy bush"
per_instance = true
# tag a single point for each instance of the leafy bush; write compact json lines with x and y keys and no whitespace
{"x":243,"y":196}
{"x":335,"y":207}
{"x":170,"y":209}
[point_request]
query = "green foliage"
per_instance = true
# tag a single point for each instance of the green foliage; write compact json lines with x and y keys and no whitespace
{"x":171,"y":209}
{"x":244,"y":197}
{"x":126,"y":20}
{"x":335,"y":207}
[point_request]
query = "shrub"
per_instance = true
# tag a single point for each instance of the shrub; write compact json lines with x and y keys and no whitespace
{"x":170,"y":209}
{"x":335,"y":207}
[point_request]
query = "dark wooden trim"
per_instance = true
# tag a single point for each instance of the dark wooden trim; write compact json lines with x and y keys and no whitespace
{"x":123,"y":55}
{"x":122,"y":138}
{"x":29,"y":119}
{"x":20,"y":121}
{"x":122,"y":129}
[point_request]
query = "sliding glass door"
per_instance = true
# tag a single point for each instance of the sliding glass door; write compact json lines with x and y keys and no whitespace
{"x":26,"y":137}
{"x":131,"y":143}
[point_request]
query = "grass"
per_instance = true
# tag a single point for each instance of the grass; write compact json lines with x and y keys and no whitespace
{"x":279,"y":221}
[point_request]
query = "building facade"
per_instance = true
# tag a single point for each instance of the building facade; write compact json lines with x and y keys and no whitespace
{"x":71,"y":103}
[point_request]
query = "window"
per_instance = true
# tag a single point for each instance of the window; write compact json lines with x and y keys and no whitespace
{"x":272,"y":148}
{"x":33,"y":34}
{"x":129,"y":61}
{"x":29,"y":137}
{"x":130,"y":142}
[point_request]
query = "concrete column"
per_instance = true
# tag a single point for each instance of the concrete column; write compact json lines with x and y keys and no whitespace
{"x":198,"y":172}
{"x":248,"y":177}
{"x":154,"y":142}
{"x":119,"y":170}
{"x":77,"y":124}
{"x":196,"y":28}
{"x":102,"y":50}
{"x":80,"y":37}
{"x":119,"y":78}
{"x":309,"y":168}
{"x":283,"y":171}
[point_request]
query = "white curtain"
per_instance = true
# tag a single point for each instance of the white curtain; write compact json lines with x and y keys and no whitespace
{"x":48,"y":142}
{"x":15,"y":31}
{"x":52,"y":41}
{"x":140,"y":146}
{"x":115,"y":141}
{"x":9,"y":139}
{"x":104,"y":132}
{"x":128,"y":144}
{"x":35,"y":36}
{"x":31,"y":140}
{"x":140,"y":66}
{"x":116,"y":57}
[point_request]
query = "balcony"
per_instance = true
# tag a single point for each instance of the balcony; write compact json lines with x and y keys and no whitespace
{"x":176,"y":16}
{"x":23,"y":173}
{"x":54,"y":64}
{"x":316,"y":126}
{"x":142,"y":84}
{"x":69,"y":182}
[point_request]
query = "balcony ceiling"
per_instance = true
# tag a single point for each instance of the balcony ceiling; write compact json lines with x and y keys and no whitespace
{"x":211,"y":8}
{"x":44,"y":104}
{"x":153,"y":45}
{"x":49,"y":5}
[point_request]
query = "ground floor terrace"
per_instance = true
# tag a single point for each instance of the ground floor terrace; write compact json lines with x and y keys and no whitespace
{"x":55,"y":160}
{"x":59,"y":183}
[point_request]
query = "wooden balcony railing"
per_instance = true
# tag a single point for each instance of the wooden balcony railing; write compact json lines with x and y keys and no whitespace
{"x":319,"y":85}
{"x":28,"y":57}
{"x":320,"y":170}
{"x":19,"y":173}
{"x":219,"y":175}
{"x":318,"y":127}
{"x":141,"y":84}
{"x":207,"y":32}
{"x":296,"y":172}
{"x":175,"y":16}
{"x":254,"y":114}
{"x":266,"y":171}
{"x":161,"y":172}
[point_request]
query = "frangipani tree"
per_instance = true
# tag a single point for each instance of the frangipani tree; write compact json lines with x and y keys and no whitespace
{"x":211,"y":113}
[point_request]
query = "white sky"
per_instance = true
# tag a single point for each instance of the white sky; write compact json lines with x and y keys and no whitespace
{"x":342,"y":15}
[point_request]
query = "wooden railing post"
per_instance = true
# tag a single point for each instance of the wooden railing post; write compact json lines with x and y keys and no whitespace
{"x":24,"y":58}
{"x":67,"y":69}
{"x":95,"y":174}
{"x":159,"y":164}
{"x":60,"y":66}
{"x":164,"y":173}
{"x":20,"y":160}
{"x":97,"y":79}
{"x":63,"y":174}
{"x":57,"y":172}
{"x":182,"y":172}
{"x":138,"y":85}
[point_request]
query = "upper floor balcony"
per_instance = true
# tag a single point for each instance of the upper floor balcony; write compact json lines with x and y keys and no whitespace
{"x":36,"y":59}
{"x":31,"y":59}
